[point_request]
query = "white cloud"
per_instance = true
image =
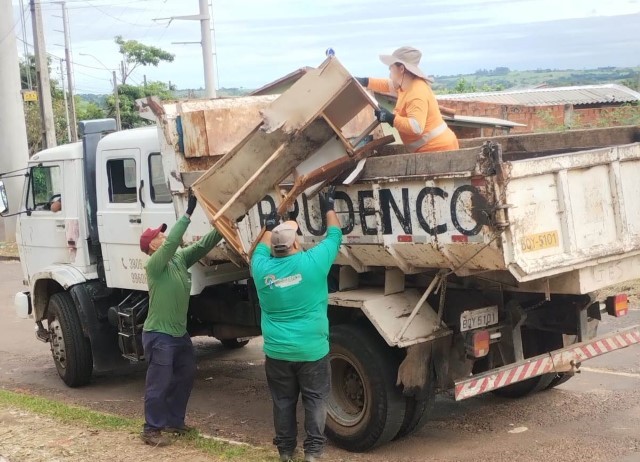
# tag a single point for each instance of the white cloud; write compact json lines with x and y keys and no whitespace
{"x":258,"y":40}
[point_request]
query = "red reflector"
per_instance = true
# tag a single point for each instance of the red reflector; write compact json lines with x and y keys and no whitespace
{"x":478,"y":182}
{"x":459,"y":238}
{"x":405,"y":238}
{"x":481,"y":341}
{"x":618,"y":305}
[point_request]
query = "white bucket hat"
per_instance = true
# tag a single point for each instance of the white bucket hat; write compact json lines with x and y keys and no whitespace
{"x":409,"y":57}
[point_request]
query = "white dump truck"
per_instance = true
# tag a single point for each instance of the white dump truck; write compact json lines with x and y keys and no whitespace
{"x":481,"y":270}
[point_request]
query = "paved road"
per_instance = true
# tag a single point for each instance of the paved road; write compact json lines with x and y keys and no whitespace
{"x":593,"y":417}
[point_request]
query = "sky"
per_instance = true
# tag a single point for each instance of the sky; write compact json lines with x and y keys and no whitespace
{"x":258,"y":41}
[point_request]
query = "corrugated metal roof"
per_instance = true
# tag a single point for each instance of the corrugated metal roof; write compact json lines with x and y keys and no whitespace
{"x":481,"y":121}
{"x":586,"y":94}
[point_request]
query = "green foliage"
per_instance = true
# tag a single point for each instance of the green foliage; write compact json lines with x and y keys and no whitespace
{"x":128,"y":95}
{"x":137,"y":54}
{"x":463,"y":86}
{"x":627,"y":114}
{"x":550,"y":124}
{"x":86,"y":110}
{"x":629,"y":76}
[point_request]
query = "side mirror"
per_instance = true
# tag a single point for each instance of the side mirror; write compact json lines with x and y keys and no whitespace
{"x":4,"y":203}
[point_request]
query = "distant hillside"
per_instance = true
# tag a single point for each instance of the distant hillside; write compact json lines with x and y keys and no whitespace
{"x":503,"y":78}
{"x":199,"y":93}
{"x":499,"y":78}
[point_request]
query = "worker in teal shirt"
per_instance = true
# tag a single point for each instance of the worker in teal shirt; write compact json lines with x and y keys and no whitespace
{"x":293,"y":293}
{"x":167,"y":346}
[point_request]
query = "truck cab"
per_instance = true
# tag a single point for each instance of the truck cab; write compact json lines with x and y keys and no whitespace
{"x":84,"y":208}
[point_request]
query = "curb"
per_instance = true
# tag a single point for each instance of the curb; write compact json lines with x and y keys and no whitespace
{"x":3,"y":258}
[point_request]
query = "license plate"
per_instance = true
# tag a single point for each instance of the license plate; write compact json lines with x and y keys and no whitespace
{"x":482,"y":317}
{"x":534,"y":242}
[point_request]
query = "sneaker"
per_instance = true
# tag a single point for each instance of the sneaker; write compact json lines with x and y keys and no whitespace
{"x":286,"y":457}
{"x":180,"y":431}
{"x":312,"y":457}
{"x":155,"y":438}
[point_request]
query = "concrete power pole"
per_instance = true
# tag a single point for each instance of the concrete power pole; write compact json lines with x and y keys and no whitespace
{"x":207,"y":50}
{"x":117,"y":101}
{"x":42,"y":75}
{"x":66,"y":102}
{"x":205,"y":41}
{"x":14,"y":150}
{"x":67,"y":57}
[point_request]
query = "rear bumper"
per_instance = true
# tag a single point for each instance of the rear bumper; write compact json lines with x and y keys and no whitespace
{"x":562,"y":360}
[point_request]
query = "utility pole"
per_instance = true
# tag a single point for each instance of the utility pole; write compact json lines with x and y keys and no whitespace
{"x":207,"y":50}
{"x":117,"y":102}
{"x":14,"y":150}
{"x":205,"y":41}
{"x":67,"y":56}
{"x":25,"y":52}
{"x":66,"y":104}
{"x":42,"y":75}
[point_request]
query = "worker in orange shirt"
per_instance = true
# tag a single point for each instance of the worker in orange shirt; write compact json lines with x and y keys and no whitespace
{"x":416,"y":115}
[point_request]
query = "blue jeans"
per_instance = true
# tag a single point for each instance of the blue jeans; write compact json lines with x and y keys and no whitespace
{"x":170,"y":376}
{"x":286,"y":381}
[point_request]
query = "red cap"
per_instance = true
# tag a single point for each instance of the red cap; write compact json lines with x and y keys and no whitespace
{"x":149,"y":235}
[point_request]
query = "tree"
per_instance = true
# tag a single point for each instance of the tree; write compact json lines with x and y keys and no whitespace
{"x":128,"y":95}
{"x":87,"y":110}
{"x":136,"y":54}
{"x":32,"y":109}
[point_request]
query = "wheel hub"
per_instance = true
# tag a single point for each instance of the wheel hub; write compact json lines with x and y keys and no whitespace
{"x":348,"y":398}
{"x":57,"y":343}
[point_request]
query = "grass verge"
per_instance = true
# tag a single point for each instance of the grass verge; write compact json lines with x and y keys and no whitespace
{"x":76,"y":415}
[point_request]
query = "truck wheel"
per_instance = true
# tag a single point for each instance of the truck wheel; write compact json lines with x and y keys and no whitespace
{"x":559,"y":379}
{"x":71,"y":350}
{"x":418,"y":411}
{"x":234,"y":343}
{"x":365,"y":408}
{"x":532,"y":344}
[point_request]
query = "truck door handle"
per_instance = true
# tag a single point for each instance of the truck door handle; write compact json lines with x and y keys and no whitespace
{"x":135,"y":220}
{"x":60,"y":224}
{"x":140,"y":193}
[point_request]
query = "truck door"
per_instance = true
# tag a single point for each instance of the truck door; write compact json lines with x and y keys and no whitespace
{"x":120,"y":219}
{"x":43,"y":228}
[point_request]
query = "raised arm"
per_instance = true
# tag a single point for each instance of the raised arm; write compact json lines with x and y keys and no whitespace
{"x":161,"y":257}
{"x":198,"y":250}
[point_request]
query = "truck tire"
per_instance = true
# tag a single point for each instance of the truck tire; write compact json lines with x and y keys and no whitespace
{"x":71,"y":350}
{"x":417,"y":413}
{"x":365,"y":407}
{"x":559,"y":379}
{"x":533,"y":343}
{"x":234,"y":343}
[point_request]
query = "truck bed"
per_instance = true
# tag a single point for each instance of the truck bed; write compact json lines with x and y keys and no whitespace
{"x":540,"y":212}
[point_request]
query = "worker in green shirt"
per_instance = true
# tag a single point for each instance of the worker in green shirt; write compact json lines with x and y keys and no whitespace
{"x":293,"y":293}
{"x":167,"y":346}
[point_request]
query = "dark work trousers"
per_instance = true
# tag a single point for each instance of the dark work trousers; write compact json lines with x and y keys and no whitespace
{"x":170,"y":375}
{"x":286,"y":381}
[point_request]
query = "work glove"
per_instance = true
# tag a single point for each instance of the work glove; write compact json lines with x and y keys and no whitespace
{"x":328,"y":198}
{"x":384,"y":115}
{"x":364,"y":81}
{"x":191,"y":206}
{"x":271,"y":221}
